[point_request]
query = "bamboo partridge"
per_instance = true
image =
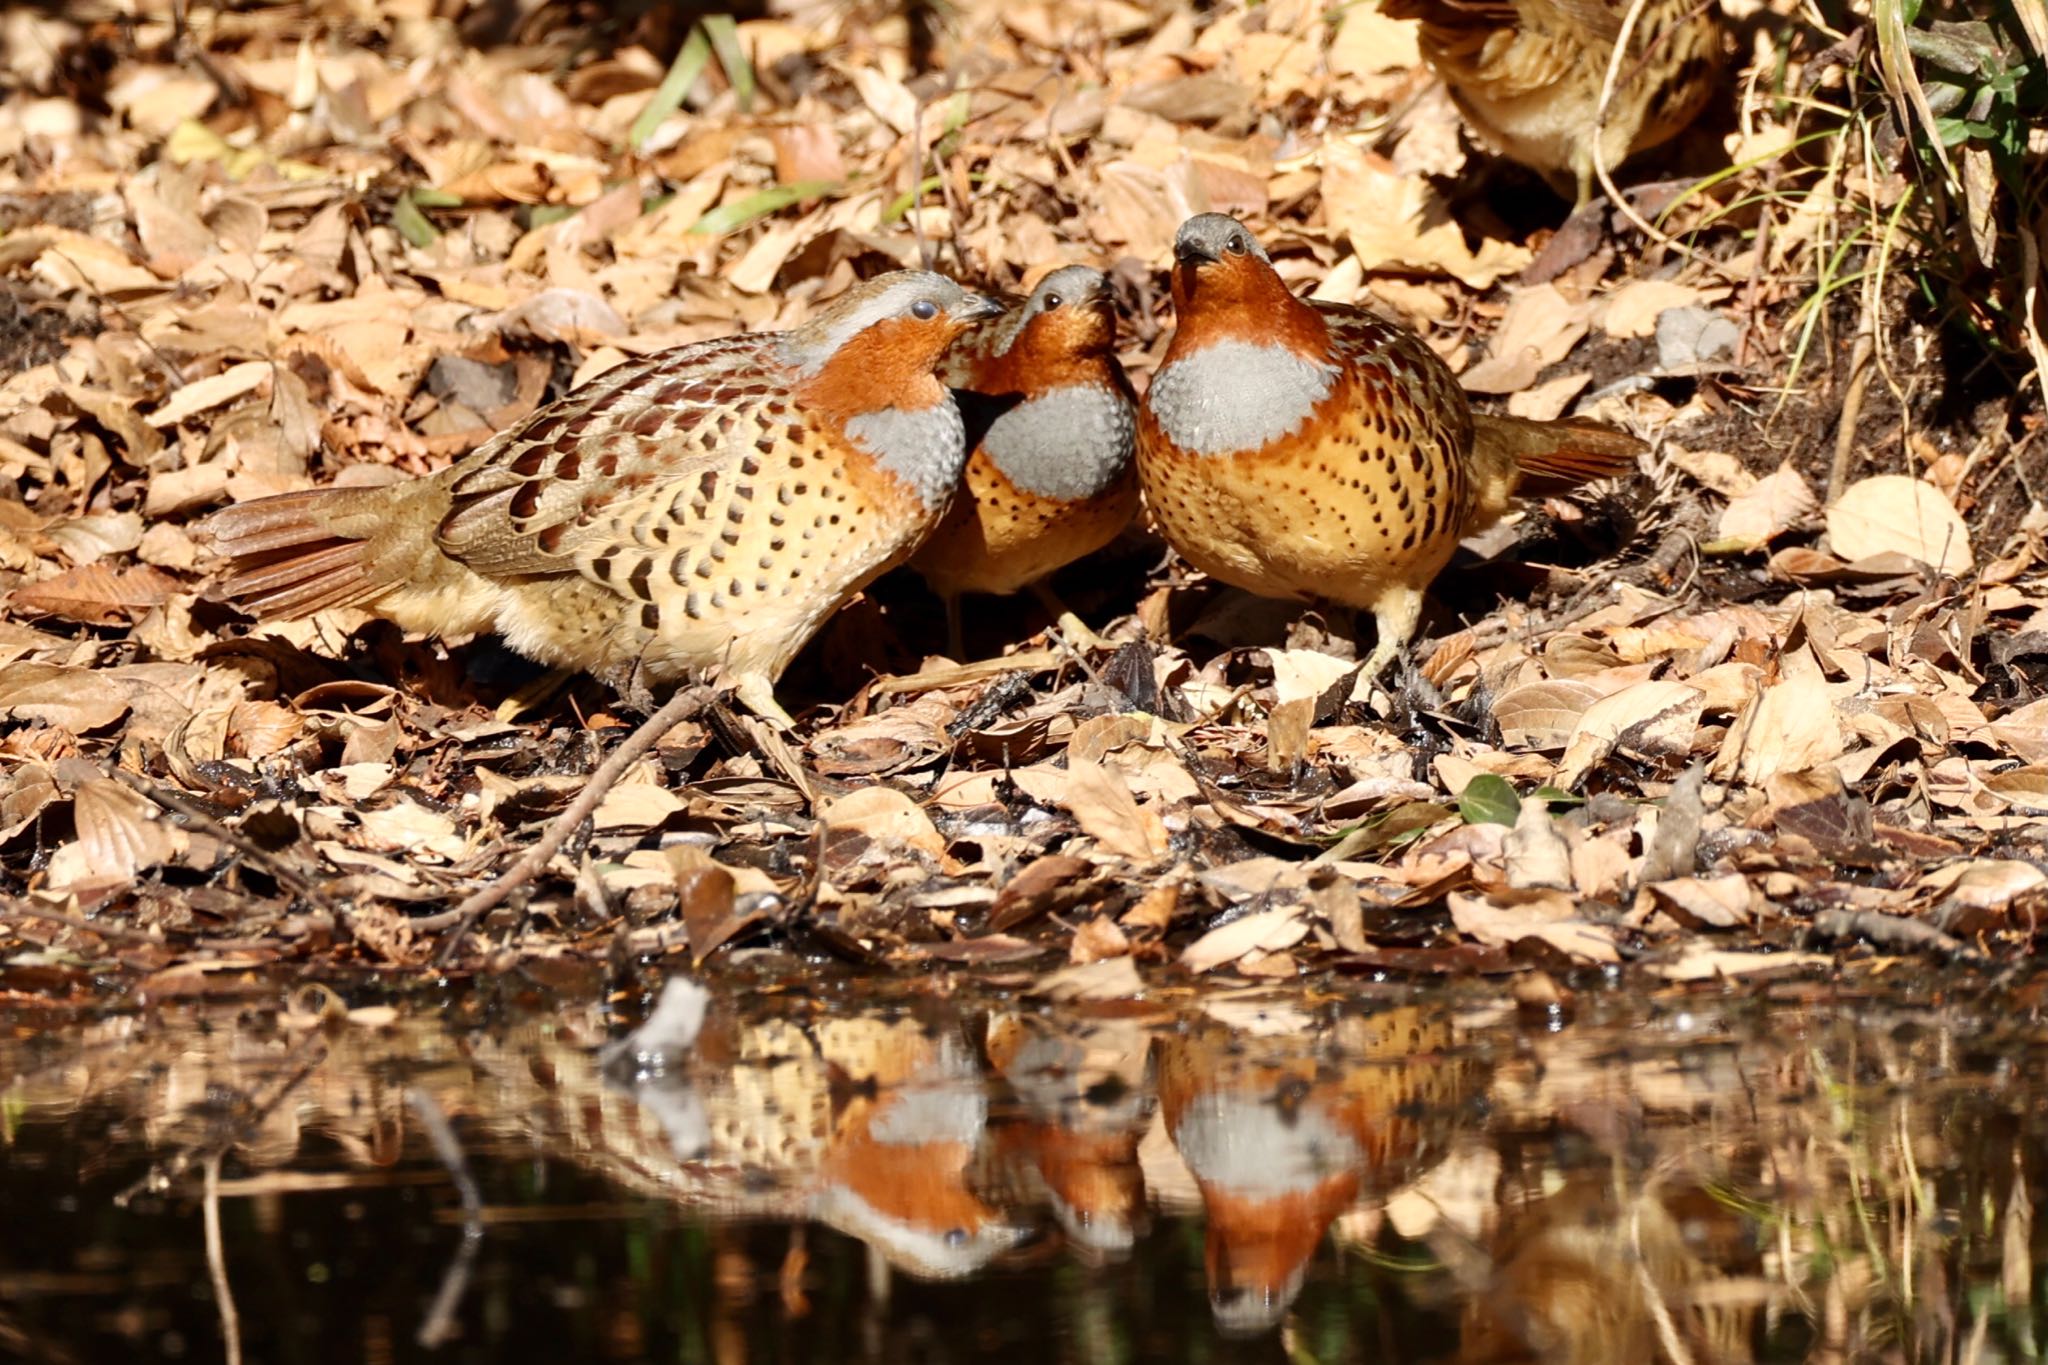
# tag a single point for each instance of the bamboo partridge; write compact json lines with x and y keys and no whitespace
{"x":1051,"y":421}
{"x":1527,"y":75}
{"x":697,"y":513}
{"x":1319,"y":451}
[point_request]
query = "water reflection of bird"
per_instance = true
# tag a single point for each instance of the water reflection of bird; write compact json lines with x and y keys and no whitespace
{"x":899,"y":1169}
{"x":1085,"y":1102}
{"x":1285,"y":1132}
{"x":1586,"y":1276}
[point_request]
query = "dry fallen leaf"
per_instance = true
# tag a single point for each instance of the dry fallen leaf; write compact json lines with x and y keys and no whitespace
{"x":1547,"y":916}
{"x":1896,"y":514}
{"x":1766,"y":510}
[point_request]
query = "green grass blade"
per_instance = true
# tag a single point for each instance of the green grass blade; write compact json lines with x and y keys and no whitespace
{"x":732,"y":58}
{"x":411,"y":223}
{"x":736,"y":215}
{"x":668,"y":96}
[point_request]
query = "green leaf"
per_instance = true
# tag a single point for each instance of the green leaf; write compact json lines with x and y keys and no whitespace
{"x":725,"y":41}
{"x":427,"y":197}
{"x":1489,"y":800}
{"x":668,"y":96}
{"x":411,"y":223}
{"x":1557,"y":796}
{"x":736,"y":215}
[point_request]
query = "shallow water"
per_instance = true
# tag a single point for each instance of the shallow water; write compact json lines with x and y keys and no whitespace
{"x":1347,"y":1174}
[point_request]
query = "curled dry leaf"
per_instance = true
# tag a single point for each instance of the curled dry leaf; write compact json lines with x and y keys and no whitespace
{"x":886,"y":816}
{"x":1268,"y":931}
{"x":1547,"y":916}
{"x":1789,"y":727}
{"x":1768,"y":509}
{"x":1536,"y":853}
{"x":1707,"y":902}
{"x":96,"y":595}
{"x":119,"y":836}
{"x":1543,"y":715}
{"x":75,"y":699}
{"x":1655,"y":719}
{"x":1101,"y":803}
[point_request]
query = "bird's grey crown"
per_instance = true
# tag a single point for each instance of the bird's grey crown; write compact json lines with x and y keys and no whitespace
{"x":1068,"y":443}
{"x":1070,"y":284}
{"x":1209,"y":233}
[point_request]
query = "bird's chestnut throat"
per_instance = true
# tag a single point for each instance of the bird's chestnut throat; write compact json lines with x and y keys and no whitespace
{"x":1242,"y":299}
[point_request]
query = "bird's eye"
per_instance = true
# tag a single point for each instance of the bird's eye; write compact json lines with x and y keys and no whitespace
{"x":1053,"y":301}
{"x":1237,"y":246}
{"x":924,"y":310}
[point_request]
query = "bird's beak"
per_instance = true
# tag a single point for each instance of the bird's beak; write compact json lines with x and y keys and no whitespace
{"x":1193,"y":253}
{"x":975,"y":307}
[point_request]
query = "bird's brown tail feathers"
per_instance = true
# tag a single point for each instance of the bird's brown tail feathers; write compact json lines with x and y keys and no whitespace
{"x":297,"y":553}
{"x":1555,"y":457}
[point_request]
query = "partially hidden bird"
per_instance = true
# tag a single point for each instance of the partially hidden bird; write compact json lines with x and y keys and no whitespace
{"x":1528,"y":75}
{"x":1318,"y":451}
{"x":693,"y":515}
{"x":1051,"y":422}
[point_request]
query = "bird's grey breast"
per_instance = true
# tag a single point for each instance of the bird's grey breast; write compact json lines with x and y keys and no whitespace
{"x":925,"y":447}
{"x":1066,"y":444}
{"x":1233,"y":396}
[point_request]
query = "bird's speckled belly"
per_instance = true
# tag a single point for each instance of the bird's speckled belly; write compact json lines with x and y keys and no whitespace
{"x":1362,"y":503}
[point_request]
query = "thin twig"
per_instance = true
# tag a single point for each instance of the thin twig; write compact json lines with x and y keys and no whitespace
{"x":687,"y":702}
{"x":439,"y":1325}
{"x":217,"y":1266}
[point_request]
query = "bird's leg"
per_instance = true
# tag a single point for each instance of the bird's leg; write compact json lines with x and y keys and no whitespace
{"x":1073,"y":632}
{"x":757,"y":694}
{"x":637,"y":690}
{"x":1396,"y":612}
{"x":956,"y":637}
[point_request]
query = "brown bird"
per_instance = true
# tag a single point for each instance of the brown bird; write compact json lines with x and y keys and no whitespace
{"x":1527,"y":75}
{"x":1051,"y":421}
{"x":698,"y":513}
{"x":1319,"y":451}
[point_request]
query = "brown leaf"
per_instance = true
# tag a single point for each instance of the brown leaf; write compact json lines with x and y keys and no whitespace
{"x":1045,"y":886}
{"x":1542,"y":715}
{"x":704,"y":896}
{"x":886,"y":815}
{"x":75,"y":699}
{"x":1101,"y":803}
{"x":95,"y":594}
{"x":1707,"y":902}
{"x":1898,"y":514}
{"x":1547,"y":916}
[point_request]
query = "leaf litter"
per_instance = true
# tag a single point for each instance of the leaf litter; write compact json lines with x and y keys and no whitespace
{"x":1772,"y":715}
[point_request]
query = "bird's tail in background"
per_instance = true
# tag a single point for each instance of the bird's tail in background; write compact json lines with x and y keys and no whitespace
{"x":1554,"y":457}
{"x":297,"y":553}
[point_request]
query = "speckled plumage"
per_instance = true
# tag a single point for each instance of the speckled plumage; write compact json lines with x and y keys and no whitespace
{"x":1527,"y":75}
{"x":697,"y":513}
{"x":1344,"y":464}
{"x":1049,"y":479}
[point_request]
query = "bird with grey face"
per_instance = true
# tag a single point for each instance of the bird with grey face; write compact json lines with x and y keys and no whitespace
{"x":1052,"y":422}
{"x":696,"y":514}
